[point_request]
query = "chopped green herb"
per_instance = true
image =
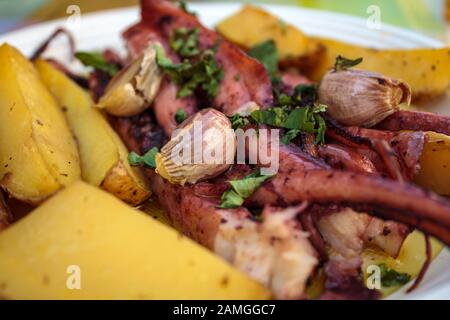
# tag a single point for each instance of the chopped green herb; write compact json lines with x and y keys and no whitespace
{"x":305,"y":94}
{"x":390,"y":277}
{"x":267,"y":53}
{"x":185,"y":42}
{"x":230,"y":199}
{"x":274,"y":116}
{"x":173,"y":70}
{"x":183,"y":6}
{"x":147,"y":159}
{"x":238,"y":121}
{"x":284,"y":100}
{"x":180,"y":115}
{"x":96,"y":61}
{"x":242,"y":189}
{"x":321,"y":129}
{"x":344,"y":63}
{"x":237,"y":77}
{"x":201,"y":73}
{"x":304,"y":119}
{"x":318,"y":108}
{"x":290,"y":135}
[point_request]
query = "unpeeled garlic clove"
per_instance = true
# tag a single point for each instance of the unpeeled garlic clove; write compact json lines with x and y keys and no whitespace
{"x":360,"y":98}
{"x":203,"y":147}
{"x":134,"y":88}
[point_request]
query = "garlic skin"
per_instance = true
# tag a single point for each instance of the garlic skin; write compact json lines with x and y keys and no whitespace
{"x":134,"y":88}
{"x":202,"y":147}
{"x":361,"y":98}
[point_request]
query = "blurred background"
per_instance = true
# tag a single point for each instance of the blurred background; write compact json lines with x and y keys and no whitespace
{"x":431,"y":17}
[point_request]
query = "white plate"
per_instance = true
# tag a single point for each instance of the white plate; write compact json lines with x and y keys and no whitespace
{"x":100,"y":30}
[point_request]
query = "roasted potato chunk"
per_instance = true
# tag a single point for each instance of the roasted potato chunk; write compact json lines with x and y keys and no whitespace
{"x":38,"y":154}
{"x":425,"y":70}
{"x":104,"y":157}
{"x":120,"y":253}
{"x":252,"y":25}
{"x":410,"y":259}
{"x":435,"y":164}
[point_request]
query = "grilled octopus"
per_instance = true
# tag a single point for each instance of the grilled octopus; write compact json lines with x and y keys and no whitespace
{"x":325,"y":203}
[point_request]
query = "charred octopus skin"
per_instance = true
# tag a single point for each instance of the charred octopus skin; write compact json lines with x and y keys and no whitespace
{"x":417,"y":121}
{"x":163,"y":18}
{"x":325,"y":203}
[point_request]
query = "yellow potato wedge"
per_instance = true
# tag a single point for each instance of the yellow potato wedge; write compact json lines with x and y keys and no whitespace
{"x":435,"y":164}
{"x":410,"y":260}
{"x":38,"y":154}
{"x":425,"y":70}
{"x":88,"y":239}
{"x":252,"y":25}
{"x":103,"y":155}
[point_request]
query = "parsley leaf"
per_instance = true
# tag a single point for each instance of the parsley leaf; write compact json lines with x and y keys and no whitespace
{"x":180,"y":115}
{"x":390,"y":277}
{"x":238,"y":121}
{"x":147,"y":159}
{"x":343,"y":64}
{"x":97,"y":61}
{"x":185,"y":42}
{"x":290,"y":135}
{"x":173,"y":70}
{"x":300,"y":119}
{"x":203,"y":72}
{"x":267,"y":53}
{"x":321,"y":129}
{"x":242,"y":189}
{"x":183,"y":6}
{"x":284,"y":100}
{"x":305,"y":94}
{"x":230,"y":199}
{"x":275,"y":117}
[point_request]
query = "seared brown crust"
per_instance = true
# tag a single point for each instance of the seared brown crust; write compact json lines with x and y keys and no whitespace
{"x":139,"y":133}
{"x":416,"y":121}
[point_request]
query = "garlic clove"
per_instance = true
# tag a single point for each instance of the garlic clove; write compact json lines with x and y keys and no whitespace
{"x":134,"y":88}
{"x":360,"y":98}
{"x":203,"y":147}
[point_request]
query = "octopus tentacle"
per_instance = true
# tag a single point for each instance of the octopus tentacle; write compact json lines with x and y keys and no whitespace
{"x":385,"y":198}
{"x":254,"y":84}
{"x":416,"y":121}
